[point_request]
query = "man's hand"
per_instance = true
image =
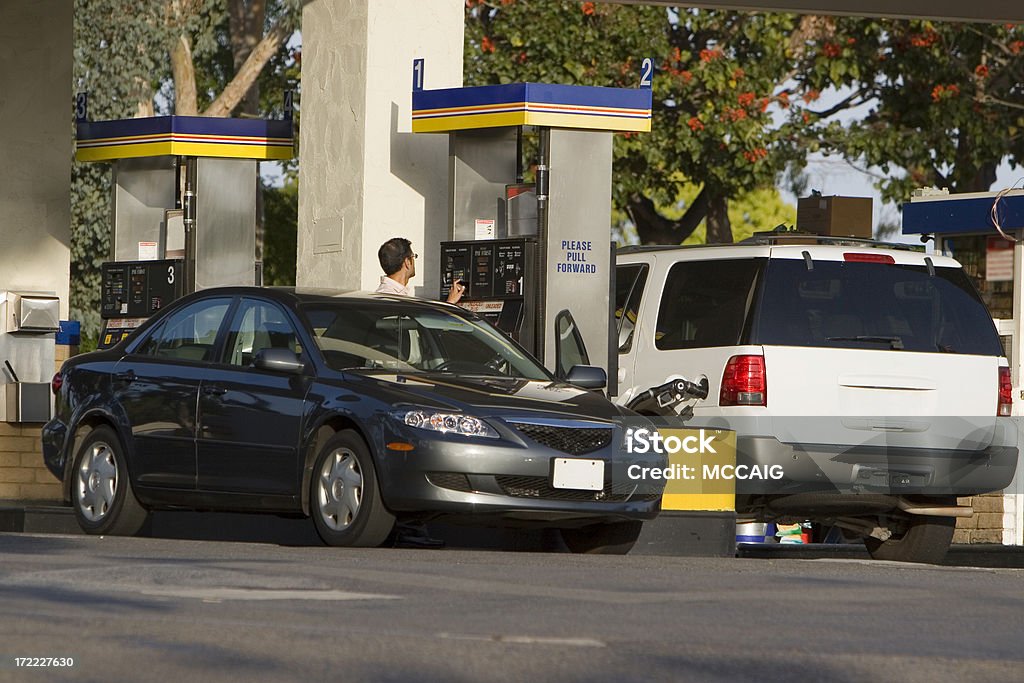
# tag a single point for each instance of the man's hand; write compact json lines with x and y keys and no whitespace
{"x":457,"y":290}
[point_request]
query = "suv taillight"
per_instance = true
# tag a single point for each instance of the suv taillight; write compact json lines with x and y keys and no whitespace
{"x":56,"y":383}
{"x":1005,"y":407}
{"x":744,"y":382}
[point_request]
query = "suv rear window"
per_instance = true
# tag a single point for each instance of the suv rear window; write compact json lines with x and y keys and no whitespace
{"x":839,"y":304}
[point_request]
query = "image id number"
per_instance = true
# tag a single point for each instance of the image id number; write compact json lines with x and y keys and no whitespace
{"x":44,"y":661}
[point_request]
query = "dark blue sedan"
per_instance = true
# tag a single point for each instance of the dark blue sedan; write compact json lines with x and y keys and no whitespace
{"x":353,"y":409}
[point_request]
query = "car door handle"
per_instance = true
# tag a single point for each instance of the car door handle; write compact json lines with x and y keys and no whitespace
{"x":214,"y":390}
{"x":127,"y":377}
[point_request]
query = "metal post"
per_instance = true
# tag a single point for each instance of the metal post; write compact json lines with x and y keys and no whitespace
{"x":540,"y":315}
{"x":189,"y":221}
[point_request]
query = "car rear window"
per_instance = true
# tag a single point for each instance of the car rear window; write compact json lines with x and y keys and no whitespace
{"x":838,"y":304}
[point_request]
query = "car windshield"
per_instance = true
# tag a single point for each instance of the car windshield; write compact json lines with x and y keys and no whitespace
{"x":392,"y":336}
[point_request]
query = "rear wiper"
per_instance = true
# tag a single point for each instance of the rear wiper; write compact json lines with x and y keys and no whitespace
{"x":895,"y":342}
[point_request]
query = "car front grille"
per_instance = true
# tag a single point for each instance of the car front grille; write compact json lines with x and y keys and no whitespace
{"x":571,"y":440}
{"x":540,"y":488}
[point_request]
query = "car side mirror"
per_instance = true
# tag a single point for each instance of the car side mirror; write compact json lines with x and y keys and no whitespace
{"x":587,"y":377}
{"x":278,"y":360}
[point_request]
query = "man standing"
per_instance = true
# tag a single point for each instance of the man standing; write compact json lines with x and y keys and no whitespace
{"x":398,"y":261}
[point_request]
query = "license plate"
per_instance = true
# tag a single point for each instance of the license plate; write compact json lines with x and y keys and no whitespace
{"x":572,"y":473}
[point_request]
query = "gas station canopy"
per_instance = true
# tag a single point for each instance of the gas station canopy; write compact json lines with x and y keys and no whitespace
{"x":200,"y":136}
{"x":531,"y":104}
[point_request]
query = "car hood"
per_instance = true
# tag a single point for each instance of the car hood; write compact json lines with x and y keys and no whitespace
{"x":493,"y":396}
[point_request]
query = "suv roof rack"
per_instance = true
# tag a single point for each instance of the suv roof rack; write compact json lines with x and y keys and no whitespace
{"x":778,"y":238}
{"x":781,"y":238}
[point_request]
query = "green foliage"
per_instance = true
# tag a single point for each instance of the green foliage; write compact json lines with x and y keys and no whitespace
{"x":280,"y":219}
{"x":946,"y":101}
{"x":755,"y":211}
{"x":720,"y":79}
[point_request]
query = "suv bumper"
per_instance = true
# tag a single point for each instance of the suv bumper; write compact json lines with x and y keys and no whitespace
{"x":876,"y":469}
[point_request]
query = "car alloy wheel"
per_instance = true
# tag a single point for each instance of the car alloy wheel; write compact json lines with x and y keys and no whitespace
{"x":340,"y":489}
{"x":97,"y":481}
{"x":344,"y":494}
{"x":101,"y":490}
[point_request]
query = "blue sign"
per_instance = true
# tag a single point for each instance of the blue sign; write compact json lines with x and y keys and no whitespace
{"x":69,"y":333}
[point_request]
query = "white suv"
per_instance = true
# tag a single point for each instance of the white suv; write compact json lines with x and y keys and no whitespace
{"x":872,"y":374}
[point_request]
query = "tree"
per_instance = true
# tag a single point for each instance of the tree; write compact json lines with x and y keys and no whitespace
{"x":945,"y":101}
{"x":725,"y":79}
{"x":281,"y":211}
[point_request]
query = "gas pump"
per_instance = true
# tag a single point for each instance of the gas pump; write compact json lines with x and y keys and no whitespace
{"x":184,"y":197}
{"x":499,"y":279}
{"x":536,"y":258}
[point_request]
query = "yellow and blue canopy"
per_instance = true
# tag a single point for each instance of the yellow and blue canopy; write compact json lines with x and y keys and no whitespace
{"x":200,"y":136}
{"x":531,"y":104}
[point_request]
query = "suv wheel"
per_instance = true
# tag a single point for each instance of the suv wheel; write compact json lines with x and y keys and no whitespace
{"x":345,"y":497}
{"x":614,"y":538}
{"x":101,"y":492}
{"x":924,"y":539}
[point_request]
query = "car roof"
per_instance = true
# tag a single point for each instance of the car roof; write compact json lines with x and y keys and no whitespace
{"x":300,"y":295}
{"x":790,"y":237}
{"x":786,"y":246}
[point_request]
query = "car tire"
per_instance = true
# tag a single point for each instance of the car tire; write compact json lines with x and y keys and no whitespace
{"x":344,"y":496}
{"x":925,"y":540}
{"x":613,"y":538}
{"x":101,"y":491}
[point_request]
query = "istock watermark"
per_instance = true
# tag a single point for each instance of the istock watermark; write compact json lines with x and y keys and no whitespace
{"x":643,"y":440}
{"x":714,"y":464}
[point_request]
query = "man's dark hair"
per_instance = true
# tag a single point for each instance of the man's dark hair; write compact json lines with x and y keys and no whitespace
{"x":392,"y":253}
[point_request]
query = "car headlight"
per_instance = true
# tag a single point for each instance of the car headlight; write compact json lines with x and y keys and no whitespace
{"x":446,"y":423}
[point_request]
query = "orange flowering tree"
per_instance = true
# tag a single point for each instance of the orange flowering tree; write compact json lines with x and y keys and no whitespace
{"x":943,"y":103}
{"x":728,"y":116}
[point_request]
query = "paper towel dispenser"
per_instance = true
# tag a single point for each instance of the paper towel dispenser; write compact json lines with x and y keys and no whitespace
{"x":32,"y":312}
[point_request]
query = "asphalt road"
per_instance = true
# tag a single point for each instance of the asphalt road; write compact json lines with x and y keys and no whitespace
{"x":139,"y":609}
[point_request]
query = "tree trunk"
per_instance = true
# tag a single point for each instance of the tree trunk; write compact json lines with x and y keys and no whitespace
{"x":653,"y":228}
{"x":246,"y":18}
{"x":719,"y":227}
{"x":966,"y":175}
{"x":184,"y":73}
{"x":244,"y":78}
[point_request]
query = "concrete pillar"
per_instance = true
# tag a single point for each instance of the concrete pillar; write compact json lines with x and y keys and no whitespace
{"x":36,"y":142}
{"x":365,"y":177}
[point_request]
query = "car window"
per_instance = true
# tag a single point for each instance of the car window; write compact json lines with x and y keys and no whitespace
{"x":840,"y":304}
{"x":392,"y":336}
{"x":258,"y":325}
{"x":705,"y":303}
{"x":629,"y":287}
{"x":569,"y":347}
{"x":189,"y":333}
